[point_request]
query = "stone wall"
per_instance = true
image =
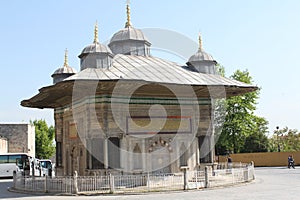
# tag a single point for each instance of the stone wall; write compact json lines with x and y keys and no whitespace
{"x":20,"y":137}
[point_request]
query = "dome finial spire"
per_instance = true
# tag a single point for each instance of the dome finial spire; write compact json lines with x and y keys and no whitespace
{"x":96,"y":40}
{"x":200,"y":42}
{"x":128,"y":23}
{"x":66,"y":58}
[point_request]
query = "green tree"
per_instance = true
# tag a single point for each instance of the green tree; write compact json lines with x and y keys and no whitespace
{"x":240,"y":121}
{"x":221,"y":147}
{"x":220,"y":70}
{"x":44,"y":139}
{"x":285,"y":140}
{"x":257,"y":141}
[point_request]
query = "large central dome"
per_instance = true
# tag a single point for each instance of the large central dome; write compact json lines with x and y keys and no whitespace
{"x":130,"y":41}
{"x":95,"y":48}
{"x":95,"y":55}
{"x":129,"y":33}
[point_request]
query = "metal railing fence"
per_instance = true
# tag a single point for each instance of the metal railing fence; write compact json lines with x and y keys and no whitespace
{"x":210,"y":177}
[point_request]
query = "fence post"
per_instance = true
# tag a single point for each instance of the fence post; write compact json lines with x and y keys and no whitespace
{"x":14,"y":179}
{"x":197,"y":180}
{"x":148,"y":181}
{"x":111,"y":183}
{"x":45,"y":184}
{"x":23,"y":180}
{"x":185,"y":179}
{"x":232,"y":175}
{"x":75,"y":178}
{"x":246,"y":173}
{"x":252,"y":169}
{"x":206,"y":182}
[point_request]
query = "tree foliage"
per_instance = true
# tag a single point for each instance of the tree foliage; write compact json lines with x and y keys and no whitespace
{"x":255,"y":142}
{"x":44,"y":139}
{"x":285,"y":140}
{"x":240,"y":123}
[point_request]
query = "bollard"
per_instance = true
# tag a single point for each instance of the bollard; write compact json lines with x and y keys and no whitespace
{"x":206,"y":183}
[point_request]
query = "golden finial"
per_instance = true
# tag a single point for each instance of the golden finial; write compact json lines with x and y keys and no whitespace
{"x":200,"y":42}
{"x":96,"y":40}
{"x":66,"y":58}
{"x":128,"y":23}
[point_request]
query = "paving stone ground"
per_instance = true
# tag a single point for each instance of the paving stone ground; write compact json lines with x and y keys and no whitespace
{"x":270,"y":184}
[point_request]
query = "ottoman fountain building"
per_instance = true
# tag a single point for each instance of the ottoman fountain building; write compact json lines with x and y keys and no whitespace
{"x":126,"y":111}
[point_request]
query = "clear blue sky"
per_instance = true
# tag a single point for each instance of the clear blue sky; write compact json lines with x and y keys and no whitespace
{"x":259,"y":35}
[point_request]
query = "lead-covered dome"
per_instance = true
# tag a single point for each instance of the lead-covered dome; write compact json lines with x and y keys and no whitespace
{"x":95,"y":48}
{"x":95,"y":55}
{"x":129,"y":33}
{"x":201,"y":56}
{"x":201,"y":61}
{"x":63,"y":72}
{"x":130,"y":41}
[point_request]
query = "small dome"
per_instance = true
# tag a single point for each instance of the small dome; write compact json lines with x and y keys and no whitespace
{"x":95,"y":55}
{"x":129,"y":33}
{"x":201,"y":61}
{"x":95,"y":48}
{"x":63,"y":72}
{"x":201,"y":56}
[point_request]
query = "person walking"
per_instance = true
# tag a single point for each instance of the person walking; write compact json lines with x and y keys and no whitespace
{"x":291,"y":162}
{"x":229,"y":163}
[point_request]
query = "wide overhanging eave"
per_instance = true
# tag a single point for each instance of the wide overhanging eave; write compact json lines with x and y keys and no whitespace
{"x":61,"y":94}
{"x":50,"y":96}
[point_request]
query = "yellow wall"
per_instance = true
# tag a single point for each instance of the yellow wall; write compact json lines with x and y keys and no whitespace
{"x":268,"y":159}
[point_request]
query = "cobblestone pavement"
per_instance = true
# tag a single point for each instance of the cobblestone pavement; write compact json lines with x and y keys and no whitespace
{"x":271,"y":183}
